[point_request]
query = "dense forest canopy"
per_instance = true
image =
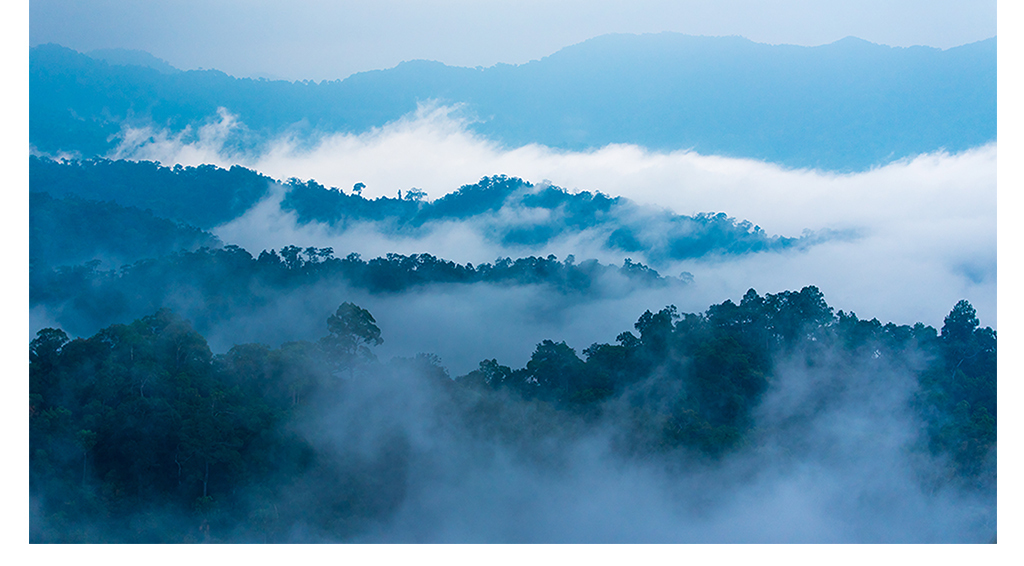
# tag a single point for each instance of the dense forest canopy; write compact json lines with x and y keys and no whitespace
{"x":507,"y":211}
{"x":203,"y":196}
{"x":72,"y":230}
{"x":211,"y":358}
{"x":227,"y":282}
{"x":115,"y":240}
{"x":659,"y":235}
{"x":140,"y":434}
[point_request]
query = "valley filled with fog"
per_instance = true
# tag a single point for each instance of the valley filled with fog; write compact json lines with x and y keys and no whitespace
{"x":410,"y":306}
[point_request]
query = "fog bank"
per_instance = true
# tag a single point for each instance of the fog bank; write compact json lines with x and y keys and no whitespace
{"x":926,"y":226}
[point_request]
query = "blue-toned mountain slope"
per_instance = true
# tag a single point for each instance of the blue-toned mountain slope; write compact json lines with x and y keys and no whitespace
{"x":844,"y":106}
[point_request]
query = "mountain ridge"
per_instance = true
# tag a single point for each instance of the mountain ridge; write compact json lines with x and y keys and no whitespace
{"x":845,"y":106}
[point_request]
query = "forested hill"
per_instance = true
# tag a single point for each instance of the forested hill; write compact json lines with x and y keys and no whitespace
{"x":215,"y":285}
{"x":507,"y":211}
{"x":72,"y":230}
{"x":843,"y":106}
{"x":140,"y":434}
{"x":514,"y":212}
{"x":203,"y":196}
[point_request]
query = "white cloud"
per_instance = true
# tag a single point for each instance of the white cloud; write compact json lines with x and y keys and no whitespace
{"x":927,"y":225}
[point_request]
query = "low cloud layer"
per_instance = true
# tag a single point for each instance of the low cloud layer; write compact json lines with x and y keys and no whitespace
{"x":461,"y":324}
{"x":835,"y":454}
{"x":926,"y":227}
{"x":832,"y":460}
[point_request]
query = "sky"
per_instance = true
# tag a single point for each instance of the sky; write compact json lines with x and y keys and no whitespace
{"x":920,"y":223}
{"x":319,"y":39}
{"x":329,"y":40}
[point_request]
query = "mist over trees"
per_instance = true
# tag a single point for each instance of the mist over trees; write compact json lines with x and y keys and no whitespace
{"x":228,"y":282}
{"x":140,"y":434}
{"x":621,"y":225}
{"x":73,"y":230}
{"x":187,"y":384}
{"x":508,"y":211}
{"x":203,"y":196}
{"x":845,"y":106}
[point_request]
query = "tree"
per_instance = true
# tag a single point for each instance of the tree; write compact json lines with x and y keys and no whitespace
{"x":556,"y":369}
{"x":490,"y":373}
{"x":351,"y":329}
{"x":961,"y":339}
{"x":656,"y":329}
{"x":44,"y":356}
{"x":795,"y":315}
{"x":415,"y":194}
{"x":47,"y":344}
{"x":959,"y":324}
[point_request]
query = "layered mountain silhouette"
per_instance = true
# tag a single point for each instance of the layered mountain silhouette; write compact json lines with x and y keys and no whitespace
{"x":845,"y":106}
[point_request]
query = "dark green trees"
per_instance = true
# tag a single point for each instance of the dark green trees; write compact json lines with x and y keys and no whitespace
{"x":136,"y":417}
{"x":959,"y":396}
{"x":695,"y":380}
{"x":556,"y":371}
{"x":351,"y":329}
{"x":203,"y":196}
{"x":141,"y":420}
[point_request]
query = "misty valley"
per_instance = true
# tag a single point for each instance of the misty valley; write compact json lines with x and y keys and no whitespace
{"x":139,"y":432}
{"x":221,"y":354}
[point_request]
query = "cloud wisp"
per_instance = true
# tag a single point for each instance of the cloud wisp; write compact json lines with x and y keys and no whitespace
{"x":926,"y":225}
{"x":832,"y":460}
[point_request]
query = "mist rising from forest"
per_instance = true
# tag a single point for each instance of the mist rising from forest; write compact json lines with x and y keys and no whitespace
{"x":462,"y":325}
{"x":836,"y":454}
{"x":925,"y":227}
{"x":207,"y":367}
{"x":831,"y":461}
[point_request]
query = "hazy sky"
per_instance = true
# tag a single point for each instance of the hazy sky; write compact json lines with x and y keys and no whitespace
{"x":318,"y":39}
{"x":326,"y":40}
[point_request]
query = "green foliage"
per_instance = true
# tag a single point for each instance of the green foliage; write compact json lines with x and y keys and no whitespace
{"x":959,"y":397}
{"x":351,"y":329}
{"x":675,"y":237}
{"x":207,"y":196}
{"x":142,"y":420}
{"x":229,"y":281}
{"x":167,"y":208}
{"x":204,"y":196}
{"x":72,"y":230}
{"x":152,"y":419}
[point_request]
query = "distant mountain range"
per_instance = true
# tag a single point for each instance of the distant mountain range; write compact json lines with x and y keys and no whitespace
{"x":128,"y":57}
{"x":845,"y":106}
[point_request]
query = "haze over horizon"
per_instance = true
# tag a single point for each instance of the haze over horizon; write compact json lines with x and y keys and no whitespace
{"x":317,"y":40}
{"x":927,"y":212}
{"x":799,"y":345}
